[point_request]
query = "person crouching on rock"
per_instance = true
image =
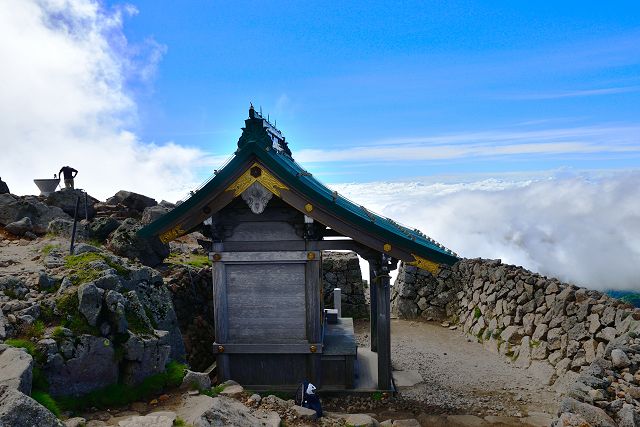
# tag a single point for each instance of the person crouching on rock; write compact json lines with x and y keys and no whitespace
{"x":69,"y":174}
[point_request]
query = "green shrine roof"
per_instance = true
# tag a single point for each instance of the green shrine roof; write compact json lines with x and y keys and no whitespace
{"x":262,"y":142}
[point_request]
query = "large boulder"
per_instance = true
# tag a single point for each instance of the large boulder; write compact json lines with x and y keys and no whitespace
{"x":20,"y":228}
{"x":126,"y":242}
{"x":19,"y":410}
{"x":14,"y":208}
{"x":145,"y":356}
{"x":101,"y":228}
{"x":93,"y":365}
{"x":16,"y":367}
{"x":592,"y":414}
{"x":225,"y":411}
{"x":132,"y":200}
{"x":66,"y":200}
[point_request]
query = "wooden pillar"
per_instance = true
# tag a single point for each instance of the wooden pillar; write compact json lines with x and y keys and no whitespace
{"x":373,"y":315}
{"x":384,"y":330}
{"x":220,"y":313}
{"x":314,"y":313}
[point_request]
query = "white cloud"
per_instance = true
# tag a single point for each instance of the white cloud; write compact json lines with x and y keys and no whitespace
{"x":586,"y":231}
{"x":63,"y":100}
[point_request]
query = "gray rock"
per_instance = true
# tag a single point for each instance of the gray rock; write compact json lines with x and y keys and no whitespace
{"x":512,"y":334}
{"x":131,"y":200}
{"x":152,"y":213}
{"x":93,"y":366}
{"x":154,"y":419}
{"x":3,"y":326}
{"x":197,"y":380}
{"x":361,"y":420}
{"x":75,"y":422}
{"x":619,"y":358}
{"x":19,"y":410}
{"x":304,"y":413}
{"x":14,"y":208}
{"x":101,"y":228}
{"x":90,"y":302}
{"x":19,"y":228}
{"x":592,"y":414}
{"x":66,"y":200}
{"x":145,"y":356}
{"x":226,"y":411}
{"x":126,"y":242}
{"x":16,"y":366}
{"x":568,"y":419}
{"x":628,"y":417}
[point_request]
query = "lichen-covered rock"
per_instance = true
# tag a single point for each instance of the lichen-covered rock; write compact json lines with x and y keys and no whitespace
{"x":93,"y":366}
{"x":592,"y":414}
{"x":19,"y":410}
{"x":152,"y":213}
{"x":90,"y":302}
{"x":196,"y":380}
{"x":16,"y":366}
{"x":125,"y":241}
{"x":145,"y":355}
{"x":101,"y":228}
{"x":225,"y":411}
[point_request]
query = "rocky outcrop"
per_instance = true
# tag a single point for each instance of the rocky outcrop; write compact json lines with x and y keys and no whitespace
{"x":229,"y":412}
{"x":152,"y":213}
{"x":66,"y":200}
{"x":16,"y":366}
{"x":342,"y":270}
{"x":19,"y":410}
{"x":15,"y":208}
{"x":131,"y":200}
{"x":90,"y":364}
{"x":20,"y":228}
{"x":125,"y":242}
{"x":582,"y":340}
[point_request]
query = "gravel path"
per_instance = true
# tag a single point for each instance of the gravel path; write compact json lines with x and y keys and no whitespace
{"x":460,"y":376}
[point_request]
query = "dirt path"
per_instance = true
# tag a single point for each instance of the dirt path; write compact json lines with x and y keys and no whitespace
{"x":460,"y":376}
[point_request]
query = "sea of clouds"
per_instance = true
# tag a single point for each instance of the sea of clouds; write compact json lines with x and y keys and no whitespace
{"x":581,"y":229}
{"x":66,"y":65}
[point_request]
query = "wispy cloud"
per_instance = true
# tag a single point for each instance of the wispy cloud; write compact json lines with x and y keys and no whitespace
{"x":561,"y":141}
{"x":574,"y":93}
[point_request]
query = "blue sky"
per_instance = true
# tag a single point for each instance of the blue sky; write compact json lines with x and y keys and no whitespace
{"x":451,"y":88}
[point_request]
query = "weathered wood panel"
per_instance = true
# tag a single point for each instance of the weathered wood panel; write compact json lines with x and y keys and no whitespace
{"x":220,"y":311}
{"x":384,"y":332}
{"x":263,"y":231}
{"x":266,"y":302}
{"x":262,"y":257}
{"x":269,"y":369}
{"x":373,"y":299}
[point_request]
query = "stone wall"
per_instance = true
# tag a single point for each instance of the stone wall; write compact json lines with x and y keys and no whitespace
{"x":342,"y":270}
{"x":582,"y":341}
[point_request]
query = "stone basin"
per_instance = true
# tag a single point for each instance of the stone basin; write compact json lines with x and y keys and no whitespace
{"x":47,"y":186}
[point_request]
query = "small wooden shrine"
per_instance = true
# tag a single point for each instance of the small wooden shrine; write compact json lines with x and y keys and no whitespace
{"x":270,"y":221}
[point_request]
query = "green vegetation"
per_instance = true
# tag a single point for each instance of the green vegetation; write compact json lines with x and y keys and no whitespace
{"x":46,"y":313}
{"x":29,"y":346}
{"x":81,"y":264}
{"x":136,"y":323}
{"x":39,"y":382}
{"x":57,"y":333}
{"x":377,"y":395}
{"x":121,"y":394}
{"x":74,"y":320}
{"x":477,"y":313}
{"x":36,"y":330}
{"x":194,"y":260}
{"x":47,"y":401}
{"x":46,"y":249}
{"x":214,"y":391}
{"x":179,"y":422}
{"x":11,"y":294}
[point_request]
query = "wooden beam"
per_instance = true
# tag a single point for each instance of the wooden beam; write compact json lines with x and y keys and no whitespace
{"x":220,"y":312}
{"x":373,"y":323}
{"x":313,"y":289}
{"x":222,"y":349}
{"x":384,"y":332}
{"x":264,"y":257}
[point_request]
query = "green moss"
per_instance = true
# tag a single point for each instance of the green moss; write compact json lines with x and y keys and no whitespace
{"x":136,"y":323}
{"x":534,"y":344}
{"x":67,"y":305}
{"x":121,"y":394}
{"x":36,"y":330}
{"x":179,"y":422}
{"x":29,"y":346}
{"x":194,"y":260}
{"x":46,"y":314}
{"x":11,"y":294}
{"x":46,"y":249}
{"x":477,"y":313}
{"x":39,"y":381}
{"x":47,"y":401}
{"x":83,"y":270}
{"x":57,"y":333}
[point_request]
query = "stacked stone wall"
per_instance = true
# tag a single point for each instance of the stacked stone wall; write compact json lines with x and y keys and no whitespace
{"x":584,"y":342}
{"x":342,"y":270}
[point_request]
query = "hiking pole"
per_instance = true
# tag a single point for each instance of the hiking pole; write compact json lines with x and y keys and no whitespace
{"x":75,"y":223}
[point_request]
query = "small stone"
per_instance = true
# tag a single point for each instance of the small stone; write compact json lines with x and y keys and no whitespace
{"x":620,"y":358}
